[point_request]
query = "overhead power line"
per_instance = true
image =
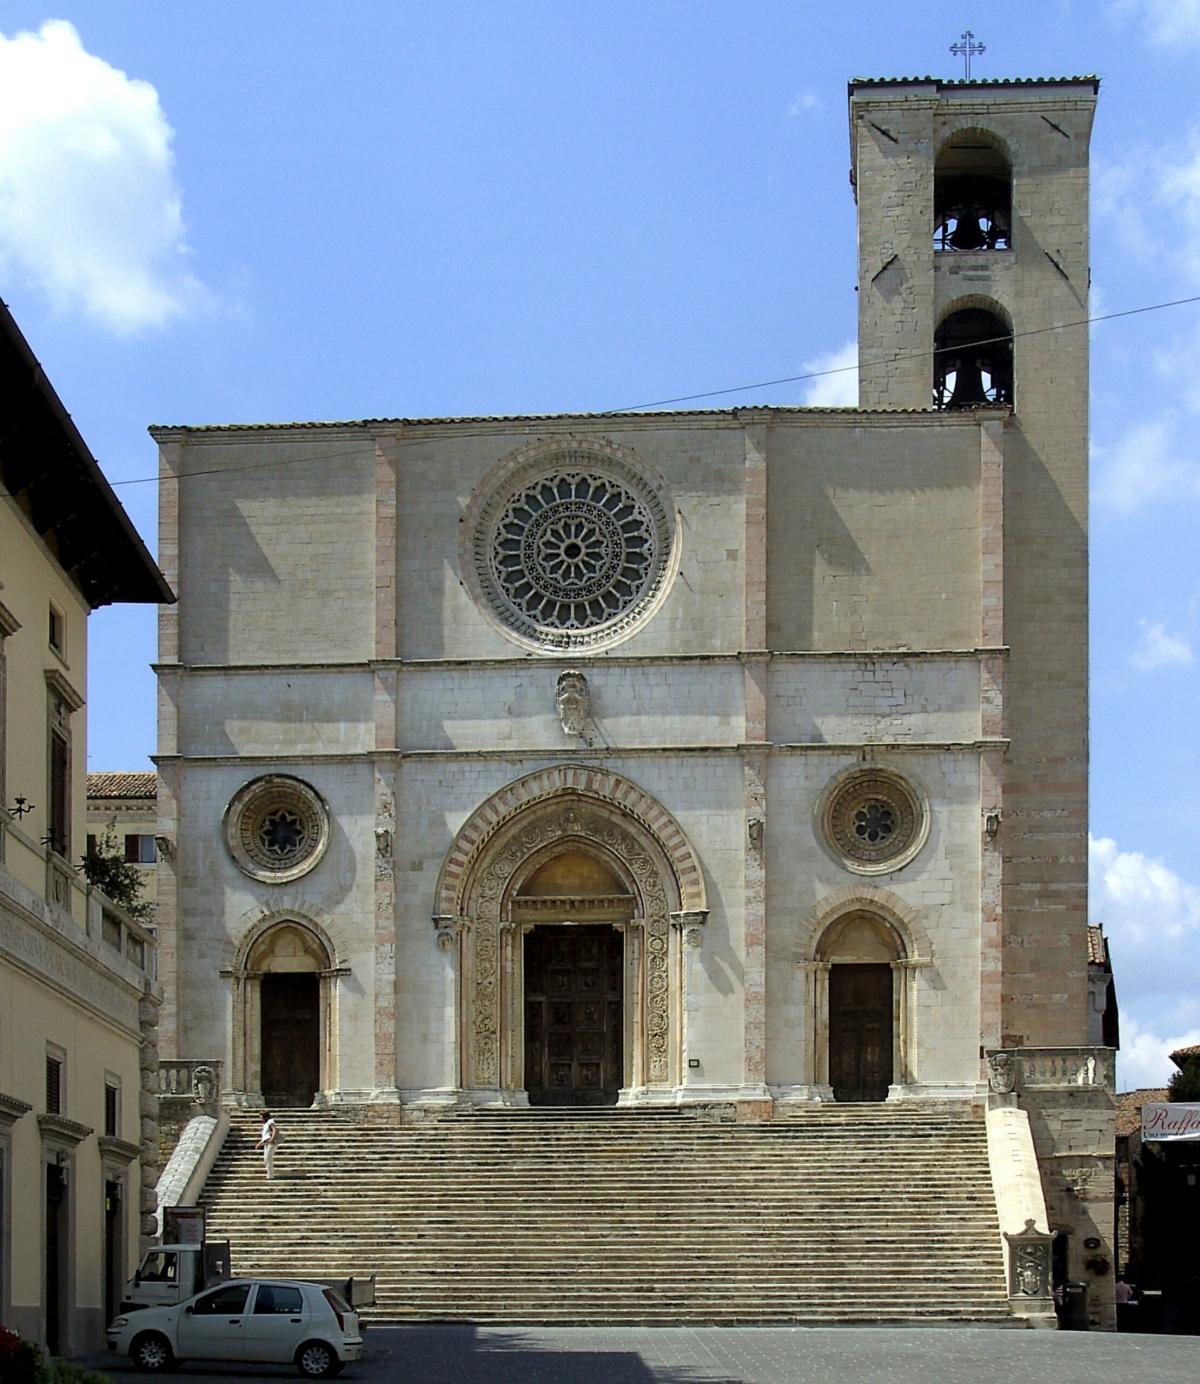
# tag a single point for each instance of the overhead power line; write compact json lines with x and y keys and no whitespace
{"x":499,"y":425}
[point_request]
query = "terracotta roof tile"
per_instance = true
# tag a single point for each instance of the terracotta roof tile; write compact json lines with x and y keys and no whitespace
{"x":1129,"y":1108}
{"x":1097,"y":947}
{"x":122,"y":785}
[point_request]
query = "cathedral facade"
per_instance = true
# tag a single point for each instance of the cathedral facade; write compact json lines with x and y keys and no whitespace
{"x":733,"y":756}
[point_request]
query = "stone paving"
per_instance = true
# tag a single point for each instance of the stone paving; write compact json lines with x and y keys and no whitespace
{"x":751,"y":1355}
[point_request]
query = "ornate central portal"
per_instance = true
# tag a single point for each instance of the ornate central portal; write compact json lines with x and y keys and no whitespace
{"x":565,"y":855}
{"x":574,"y":1015}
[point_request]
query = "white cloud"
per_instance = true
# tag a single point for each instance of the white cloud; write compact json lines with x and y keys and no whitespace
{"x":1145,"y":1058}
{"x":1164,"y":21}
{"x":1149,"y":199}
{"x":1158,"y":649}
{"x":807,"y":102}
{"x":89,"y":205}
{"x":1148,"y":461}
{"x":1152,"y":919}
{"x":836,"y":385}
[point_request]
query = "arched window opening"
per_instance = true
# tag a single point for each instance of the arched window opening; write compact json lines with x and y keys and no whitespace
{"x":972,"y":196}
{"x":972,"y":362}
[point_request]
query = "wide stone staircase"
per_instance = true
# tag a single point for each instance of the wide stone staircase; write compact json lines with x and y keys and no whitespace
{"x":847,"y":1214}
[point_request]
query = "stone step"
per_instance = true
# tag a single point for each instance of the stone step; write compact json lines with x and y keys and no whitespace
{"x":589,"y":1216}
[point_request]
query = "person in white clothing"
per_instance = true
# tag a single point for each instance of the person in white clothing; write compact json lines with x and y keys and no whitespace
{"x":268,"y":1136}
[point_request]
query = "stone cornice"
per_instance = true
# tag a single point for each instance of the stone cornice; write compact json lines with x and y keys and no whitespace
{"x":11,"y":1110}
{"x":33,"y":940}
{"x":58,"y":684}
{"x":9,"y":624}
{"x":551,"y":755}
{"x":118,"y":1150}
{"x":557,"y":659}
{"x":551,"y":425}
{"x":59,"y":1127}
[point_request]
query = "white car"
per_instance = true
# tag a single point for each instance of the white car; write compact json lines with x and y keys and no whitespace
{"x":248,"y":1319}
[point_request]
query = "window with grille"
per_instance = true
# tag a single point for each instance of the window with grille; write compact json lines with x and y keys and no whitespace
{"x":111,"y":1110}
{"x":54,"y":1085}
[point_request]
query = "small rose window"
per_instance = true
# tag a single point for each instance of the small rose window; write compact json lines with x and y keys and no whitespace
{"x":277,"y":828}
{"x":874,"y":821}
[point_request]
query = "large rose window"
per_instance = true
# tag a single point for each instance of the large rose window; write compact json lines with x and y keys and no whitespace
{"x":573,"y":550}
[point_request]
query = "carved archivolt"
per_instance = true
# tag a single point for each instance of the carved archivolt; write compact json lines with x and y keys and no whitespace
{"x":259,"y":923}
{"x":902,"y":917}
{"x":611,"y":792}
{"x":498,"y":856}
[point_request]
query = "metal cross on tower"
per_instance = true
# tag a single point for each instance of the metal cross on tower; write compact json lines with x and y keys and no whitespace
{"x":966,"y":48}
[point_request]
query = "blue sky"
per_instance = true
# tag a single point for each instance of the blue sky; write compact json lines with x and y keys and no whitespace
{"x":216,"y":212}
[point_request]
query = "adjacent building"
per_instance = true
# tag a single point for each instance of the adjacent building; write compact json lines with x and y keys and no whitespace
{"x":122,"y":820}
{"x":78,"y":995}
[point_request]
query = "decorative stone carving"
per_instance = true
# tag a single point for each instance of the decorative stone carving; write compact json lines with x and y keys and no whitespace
{"x":691,"y":923}
{"x":204,"y":1084}
{"x":1033,"y":1270}
{"x":1028,"y":1262}
{"x":383,"y":843}
{"x":573,"y":698}
{"x":1002,"y":1073}
{"x":1082,"y":1179}
{"x":448,"y":931}
{"x":166,"y":848}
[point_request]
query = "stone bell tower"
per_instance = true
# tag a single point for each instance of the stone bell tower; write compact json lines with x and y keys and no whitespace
{"x":973,"y":285}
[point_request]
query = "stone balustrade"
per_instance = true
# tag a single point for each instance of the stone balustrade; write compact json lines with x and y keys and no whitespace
{"x":194,"y":1079}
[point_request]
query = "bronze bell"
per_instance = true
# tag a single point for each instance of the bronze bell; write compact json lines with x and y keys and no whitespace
{"x":968,"y":385}
{"x":968,"y":234}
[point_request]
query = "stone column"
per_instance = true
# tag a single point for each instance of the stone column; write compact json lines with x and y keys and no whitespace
{"x":755,"y":672}
{"x":386,"y":698}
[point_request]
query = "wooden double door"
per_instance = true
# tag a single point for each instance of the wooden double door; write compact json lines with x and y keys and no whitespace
{"x":860,"y":1031}
{"x":574,"y":1015}
{"x":291,"y":1038}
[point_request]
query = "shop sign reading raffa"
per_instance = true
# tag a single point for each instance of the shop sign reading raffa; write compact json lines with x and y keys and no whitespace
{"x":1171,"y":1121}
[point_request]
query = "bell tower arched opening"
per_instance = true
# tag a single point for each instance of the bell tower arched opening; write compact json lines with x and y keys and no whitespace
{"x":972,"y":360}
{"x":972,"y":195}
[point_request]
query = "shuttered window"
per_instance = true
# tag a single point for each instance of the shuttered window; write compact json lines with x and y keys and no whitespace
{"x":54,"y":1084}
{"x":60,"y":795}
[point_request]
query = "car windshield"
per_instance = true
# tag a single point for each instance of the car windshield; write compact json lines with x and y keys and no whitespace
{"x":158,"y":1268}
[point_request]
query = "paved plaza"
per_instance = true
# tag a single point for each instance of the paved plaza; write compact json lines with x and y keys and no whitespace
{"x":750,"y":1355}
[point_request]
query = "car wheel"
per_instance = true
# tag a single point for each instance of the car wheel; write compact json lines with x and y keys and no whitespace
{"x":317,"y":1360}
{"x":152,"y":1353}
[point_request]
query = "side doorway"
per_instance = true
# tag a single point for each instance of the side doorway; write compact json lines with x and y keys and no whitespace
{"x":860,"y":1041}
{"x":860,"y":1031}
{"x":291,"y":1038}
